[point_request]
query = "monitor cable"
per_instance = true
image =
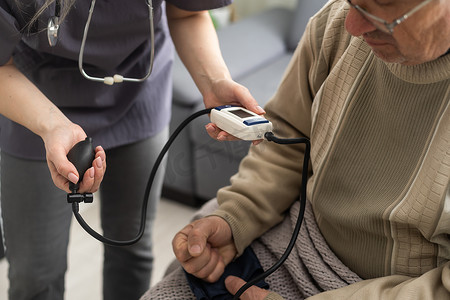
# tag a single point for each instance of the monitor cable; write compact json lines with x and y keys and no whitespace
{"x":82,"y":155}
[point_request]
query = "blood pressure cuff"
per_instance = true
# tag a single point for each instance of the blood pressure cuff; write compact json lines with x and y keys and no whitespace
{"x":246,"y":266}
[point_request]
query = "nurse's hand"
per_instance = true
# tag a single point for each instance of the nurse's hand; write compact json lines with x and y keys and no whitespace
{"x":205,"y":247}
{"x":229,"y":92}
{"x":58,"y":142}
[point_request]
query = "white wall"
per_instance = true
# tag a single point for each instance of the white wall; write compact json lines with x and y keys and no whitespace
{"x":248,"y":7}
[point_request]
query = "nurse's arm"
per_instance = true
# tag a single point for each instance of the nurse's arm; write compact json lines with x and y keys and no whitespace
{"x":22,"y":102}
{"x":197,"y":45}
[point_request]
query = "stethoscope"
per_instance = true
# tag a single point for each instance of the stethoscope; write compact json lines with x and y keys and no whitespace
{"x":52,"y":34}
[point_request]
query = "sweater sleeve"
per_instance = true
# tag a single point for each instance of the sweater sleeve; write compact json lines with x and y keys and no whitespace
{"x":269,"y":177}
{"x":273,"y":296}
{"x":434,"y":284}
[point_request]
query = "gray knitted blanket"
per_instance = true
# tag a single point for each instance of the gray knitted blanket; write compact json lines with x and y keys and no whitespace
{"x":311,"y":267}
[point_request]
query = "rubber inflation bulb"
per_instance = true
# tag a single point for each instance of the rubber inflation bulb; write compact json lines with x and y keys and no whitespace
{"x":82,"y":156}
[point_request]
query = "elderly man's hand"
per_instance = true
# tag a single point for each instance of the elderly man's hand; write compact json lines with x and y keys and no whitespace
{"x":205,"y":247}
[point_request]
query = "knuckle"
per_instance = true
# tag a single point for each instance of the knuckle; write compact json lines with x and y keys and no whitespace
{"x":191,"y":268}
{"x":203,"y":274}
{"x":180,"y":254}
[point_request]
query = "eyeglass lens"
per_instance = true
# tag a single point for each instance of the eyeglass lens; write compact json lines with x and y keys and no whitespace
{"x":377,"y":22}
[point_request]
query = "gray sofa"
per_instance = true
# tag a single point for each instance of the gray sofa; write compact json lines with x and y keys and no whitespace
{"x":257,"y":50}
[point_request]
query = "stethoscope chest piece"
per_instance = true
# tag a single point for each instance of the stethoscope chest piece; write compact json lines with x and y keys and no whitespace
{"x":52,"y":30}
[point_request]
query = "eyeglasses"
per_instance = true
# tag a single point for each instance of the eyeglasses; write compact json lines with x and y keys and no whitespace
{"x":382,"y":24}
{"x":117,"y":78}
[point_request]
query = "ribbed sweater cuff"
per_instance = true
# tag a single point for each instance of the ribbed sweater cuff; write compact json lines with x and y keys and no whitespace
{"x":273,"y":296}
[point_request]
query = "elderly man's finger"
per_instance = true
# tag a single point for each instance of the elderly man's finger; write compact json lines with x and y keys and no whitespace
{"x":233,"y":284}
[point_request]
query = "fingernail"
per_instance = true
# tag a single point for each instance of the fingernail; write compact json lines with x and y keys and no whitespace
{"x":195,"y":249}
{"x":98,"y":162}
{"x":72,"y":177}
{"x":209,"y":127}
{"x":260,"y":110}
{"x":221,"y":138}
{"x":91,"y":172}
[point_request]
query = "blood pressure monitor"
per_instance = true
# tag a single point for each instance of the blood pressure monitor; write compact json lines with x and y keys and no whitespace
{"x":240,"y":122}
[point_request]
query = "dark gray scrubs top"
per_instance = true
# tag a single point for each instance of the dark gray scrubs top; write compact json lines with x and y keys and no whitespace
{"x":117,"y":43}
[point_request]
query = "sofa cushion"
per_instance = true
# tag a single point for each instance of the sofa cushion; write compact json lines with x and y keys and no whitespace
{"x":214,"y":170}
{"x":252,"y":42}
{"x":304,"y":11}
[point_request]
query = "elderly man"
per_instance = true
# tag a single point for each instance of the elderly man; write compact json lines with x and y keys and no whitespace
{"x":369,"y":85}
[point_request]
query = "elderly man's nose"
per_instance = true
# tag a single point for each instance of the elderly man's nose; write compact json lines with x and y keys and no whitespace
{"x":356,"y":24}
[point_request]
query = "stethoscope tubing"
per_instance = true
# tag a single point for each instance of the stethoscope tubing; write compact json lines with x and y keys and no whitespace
{"x":117,"y":78}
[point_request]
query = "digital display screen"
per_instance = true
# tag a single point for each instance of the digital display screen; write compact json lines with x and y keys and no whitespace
{"x":241,"y":113}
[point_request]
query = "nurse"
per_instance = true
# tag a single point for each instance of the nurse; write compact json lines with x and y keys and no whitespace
{"x":48,"y":106}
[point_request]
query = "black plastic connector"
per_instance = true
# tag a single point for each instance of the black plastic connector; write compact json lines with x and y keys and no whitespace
{"x":76,"y":197}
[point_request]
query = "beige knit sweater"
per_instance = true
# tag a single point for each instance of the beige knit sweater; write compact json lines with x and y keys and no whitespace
{"x":380,"y":162}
